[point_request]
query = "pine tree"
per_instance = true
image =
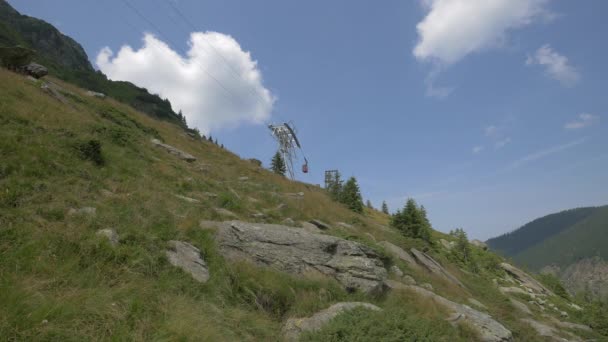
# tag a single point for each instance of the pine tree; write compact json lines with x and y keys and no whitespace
{"x":277,"y":164}
{"x":210,"y":139}
{"x":215,"y":142}
{"x":412,"y":221}
{"x":351,"y":195}
{"x":368,"y":204}
{"x":335,"y":187}
{"x":384,"y":207}
{"x":462,"y":248}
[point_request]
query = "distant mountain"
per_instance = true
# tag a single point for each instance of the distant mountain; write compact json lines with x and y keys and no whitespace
{"x":67,"y":60}
{"x":569,"y":242}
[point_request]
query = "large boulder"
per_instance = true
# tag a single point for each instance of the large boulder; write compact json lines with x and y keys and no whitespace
{"x":188,"y":258}
{"x":296,"y":251}
{"x":480,"y":244}
{"x":295,"y":326}
{"x":489,"y":330}
{"x":35,"y":70}
{"x":172,"y":150}
{"x":399,"y":253}
{"x":525,"y":280}
{"x":435,"y":267}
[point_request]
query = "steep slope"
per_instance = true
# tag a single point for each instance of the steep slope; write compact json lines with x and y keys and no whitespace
{"x":66,"y":59}
{"x":111,"y":228}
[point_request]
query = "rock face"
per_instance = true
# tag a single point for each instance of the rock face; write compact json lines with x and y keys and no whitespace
{"x":295,"y":326}
{"x":588,"y":274}
{"x":35,"y":70}
{"x":525,"y":280}
{"x":399,"y":253}
{"x":521,"y":307}
{"x":508,"y":290}
{"x":297,"y":251}
{"x":172,"y":150}
{"x":188,"y":258}
{"x":488,"y":329}
{"x":480,"y":244}
{"x":434,"y":267}
{"x":547,"y":331}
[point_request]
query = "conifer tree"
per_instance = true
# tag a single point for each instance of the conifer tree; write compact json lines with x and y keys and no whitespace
{"x":368,"y":204}
{"x":412,"y":221}
{"x":335,"y":187}
{"x":277,"y":164}
{"x":384,"y":207}
{"x":351,"y":195}
{"x":462,"y":248}
{"x":210,"y":139}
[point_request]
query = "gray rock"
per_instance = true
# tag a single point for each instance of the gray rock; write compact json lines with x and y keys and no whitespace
{"x":509,"y":290}
{"x":395,"y":285}
{"x":295,"y":251}
{"x":396,"y":271}
{"x":109,"y":234}
{"x":480,"y":244}
{"x":209,"y":194}
{"x":296,"y":326}
{"x":427,"y":286}
{"x":569,"y":325}
{"x":433,"y":266}
{"x":399,"y":253}
{"x":521,"y":307}
{"x":188,"y":258}
{"x":89,"y":211}
{"x":289,"y":222}
{"x":172,"y":150}
{"x":35,"y":70}
{"x":187,"y":199}
{"x":575,"y":307}
{"x":345,"y":225}
{"x":447,"y":244}
{"x":408,"y":280}
{"x":297,"y":195}
{"x":489,"y":330}
{"x":243,"y":179}
{"x":311,"y":228}
{"x":225,"y":212}
{"x":544,"y":330}
{"x":95,"y":94}
{"x":258,"y":215}
{"x":281,"y":206}
{"x":524,"y":279}
{"x":320,"y":224}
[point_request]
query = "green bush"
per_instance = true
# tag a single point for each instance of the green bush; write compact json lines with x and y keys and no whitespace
{"x":91,"y":150}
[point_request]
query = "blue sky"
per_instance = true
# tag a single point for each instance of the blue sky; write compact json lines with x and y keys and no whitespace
{"x":490,"y":117}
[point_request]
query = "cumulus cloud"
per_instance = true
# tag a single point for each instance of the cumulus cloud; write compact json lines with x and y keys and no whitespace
{"x":556,"y":65}
{"x":452,"y":29}
{"x":584,"y":120}
{"x":211,"y":94}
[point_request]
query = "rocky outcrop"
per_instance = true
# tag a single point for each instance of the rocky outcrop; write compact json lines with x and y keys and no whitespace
{"x":399,"y":253}
{"x":587,"y":275}
{"x":188,"y":258}
{"x":489,"y":330}
{"x":525,"y":280}
{"x":95,"y":94}
{"x":172,"y":150}
{"x":320,"y":224}
{"x":479,"y":244}
{"x":550,"y":333}
{"x":509,"y":290}
{"x":447,"y":244}
{"x":110,"y":235}
{"x":433,"y":266}
{"x":35,"y":70}
{"x":296,"y":251}
{"x":521,"y":307}
{"x":296,"y":326}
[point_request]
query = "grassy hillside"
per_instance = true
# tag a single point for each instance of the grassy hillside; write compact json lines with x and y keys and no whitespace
{"x":562,"y":238}
{"x":60,"y":281}
{"x":66,"y":59}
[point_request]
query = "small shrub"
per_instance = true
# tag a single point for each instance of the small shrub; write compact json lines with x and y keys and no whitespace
{"x":229,"y":201}
{"x":91,"y":150}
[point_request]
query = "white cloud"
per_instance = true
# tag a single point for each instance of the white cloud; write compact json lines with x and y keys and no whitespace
{"x":186,"y":82}
{"x":452,"y":29}
{"x":584,"y":120}
{"x":502,"y":143}
{"x":544,"y":153}
{"x":490,"y":131}
{"x":556,"y":65}
{"x":477,"y":149}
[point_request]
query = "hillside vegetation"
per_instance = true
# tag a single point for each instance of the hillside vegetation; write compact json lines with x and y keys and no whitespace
{"x":557,"y":239}
{"x":73,"y":165}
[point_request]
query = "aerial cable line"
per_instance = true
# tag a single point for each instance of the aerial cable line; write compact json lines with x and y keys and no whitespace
{"x":164,"y":36}
{"x":217,"y":51}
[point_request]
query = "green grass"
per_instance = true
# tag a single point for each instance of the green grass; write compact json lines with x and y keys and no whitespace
{"x":60,"y":281}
